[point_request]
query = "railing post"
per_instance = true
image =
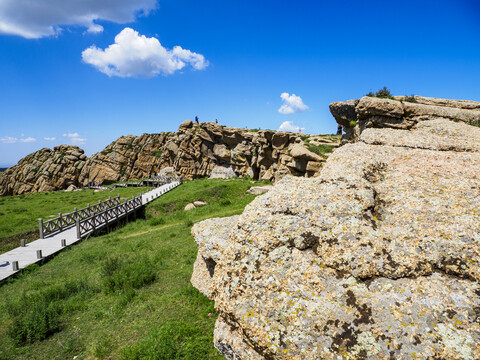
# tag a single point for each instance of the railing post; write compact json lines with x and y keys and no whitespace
{"x":75,"y":214}
{"x":40,"y":227}
{"x":63,"y":242}
{"x":88,"y":209}
{"x":77,"y":224}
{"x":60,"y":221}
{"x":23,"y":242}
{"x":39,"y":254}
{"x":15,"y":265}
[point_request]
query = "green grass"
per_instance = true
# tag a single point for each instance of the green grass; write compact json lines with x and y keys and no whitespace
{"x":20,"y":213}
{"x":321,"y":149}
{"x":124,"y":295}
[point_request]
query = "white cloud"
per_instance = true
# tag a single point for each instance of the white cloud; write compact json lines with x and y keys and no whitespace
{"x":28,"y":140}
{"x":34,"y":19}
{"x":75,"y":138}
{"x":71,"y":135}
{"x":8,"y":140}
{"x":50,"y":138}
{"x":289,"y":126}
{"x":291,"y":104}
{"x":134,"y":55}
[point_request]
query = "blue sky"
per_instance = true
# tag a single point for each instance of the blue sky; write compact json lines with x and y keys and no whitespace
{"x":236,"y":59}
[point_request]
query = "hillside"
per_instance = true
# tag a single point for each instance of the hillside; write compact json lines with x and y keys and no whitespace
{"x":193,"y":151}
{"x":124,"y":295}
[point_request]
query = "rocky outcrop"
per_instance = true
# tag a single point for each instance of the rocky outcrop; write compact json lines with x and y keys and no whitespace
{"x":371,"y":112}
{"x":197,"y":149}
{"x":44,"y":170}
{"x":376,"y":258}
{"x":193,"y":152}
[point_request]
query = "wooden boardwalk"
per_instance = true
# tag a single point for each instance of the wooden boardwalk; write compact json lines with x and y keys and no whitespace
{"x":36,"y":251}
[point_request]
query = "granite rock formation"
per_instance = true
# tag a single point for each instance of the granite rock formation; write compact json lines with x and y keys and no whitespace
{"x":193,"y":152}
{"x":44,"y":170}
{"x":398,"y":113}
{"x":378,"y":257}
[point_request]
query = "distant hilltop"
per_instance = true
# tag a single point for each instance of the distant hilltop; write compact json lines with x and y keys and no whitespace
{"x":193,"y":151}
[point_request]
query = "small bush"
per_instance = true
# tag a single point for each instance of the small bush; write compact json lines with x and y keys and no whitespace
{"x":35,"y":317}
{"x":410,"y":99}
{"x":123,"y":274}
{"x":384,"y":93}
{"x":35,"y":324}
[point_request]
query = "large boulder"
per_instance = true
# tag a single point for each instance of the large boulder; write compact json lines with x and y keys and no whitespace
{"x":222,"y":172}
{"x":377,"y":258}
{"x":400,"y":112}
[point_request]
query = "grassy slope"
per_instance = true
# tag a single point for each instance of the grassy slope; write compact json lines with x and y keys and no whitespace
{"x":20,"y":213}
{"x":122,"y":295}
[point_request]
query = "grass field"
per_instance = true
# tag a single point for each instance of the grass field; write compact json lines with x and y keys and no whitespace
{"x":124,"y":295}
{"x":19,"y":214}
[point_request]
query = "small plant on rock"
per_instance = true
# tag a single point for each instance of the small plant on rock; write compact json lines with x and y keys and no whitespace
{"x":384,"y":93}
{"x":410,"y":98}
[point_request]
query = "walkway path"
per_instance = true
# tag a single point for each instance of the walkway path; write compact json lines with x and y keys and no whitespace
{"x":53,"y":244}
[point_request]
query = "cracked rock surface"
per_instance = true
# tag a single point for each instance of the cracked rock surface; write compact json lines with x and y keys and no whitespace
{"x":377,"y":258}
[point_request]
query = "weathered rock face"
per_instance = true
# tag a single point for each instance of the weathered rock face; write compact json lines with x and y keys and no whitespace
{"x":371,"y":112}
{"x":127,"y":158}
{"x":193,"y":152}
{"x":44,"y":170}
{"x":376,"y":258}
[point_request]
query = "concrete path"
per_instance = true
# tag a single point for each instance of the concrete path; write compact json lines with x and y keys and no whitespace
{"x":53,"y":244}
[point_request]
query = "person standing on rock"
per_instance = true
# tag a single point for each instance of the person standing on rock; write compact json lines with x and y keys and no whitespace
{"x":339,"y":129}
{"x":196,"y":119}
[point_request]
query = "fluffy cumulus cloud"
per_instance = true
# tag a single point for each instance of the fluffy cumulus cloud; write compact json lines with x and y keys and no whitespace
{"x":134,"y":55}
{"x":289,"y":126}
{"x":291,"y":104}
{"x":75,"y":138}
{"x":28,"y":140}
{"x":34,"y":19}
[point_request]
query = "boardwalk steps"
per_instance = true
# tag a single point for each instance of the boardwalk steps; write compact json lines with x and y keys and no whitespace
{"x":69,"y":229}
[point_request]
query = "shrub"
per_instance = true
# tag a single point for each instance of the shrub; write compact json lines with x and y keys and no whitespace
{"x":384,"y":93}
{"x":123,"y":274}
{"x":35,"y":317}
{"x":410,"y":99}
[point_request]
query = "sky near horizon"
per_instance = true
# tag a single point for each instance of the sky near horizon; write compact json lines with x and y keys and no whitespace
{"x":87,"y":72}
